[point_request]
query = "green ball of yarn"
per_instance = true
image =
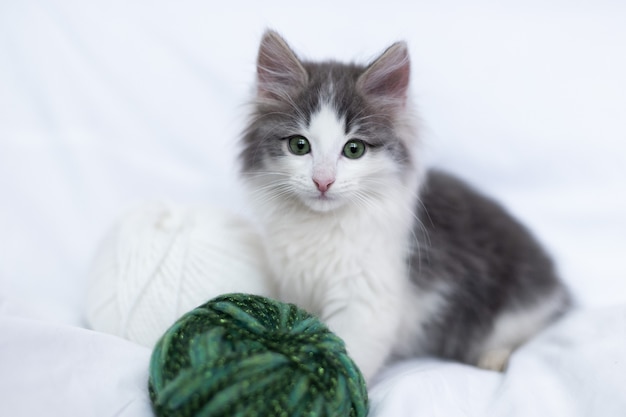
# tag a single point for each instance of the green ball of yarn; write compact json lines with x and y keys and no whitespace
{"x":246,"y":355}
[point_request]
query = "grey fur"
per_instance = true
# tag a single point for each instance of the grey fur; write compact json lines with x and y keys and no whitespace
{"x":489,"y":261}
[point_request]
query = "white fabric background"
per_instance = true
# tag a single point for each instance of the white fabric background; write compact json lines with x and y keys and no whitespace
{"x":107,"y":104}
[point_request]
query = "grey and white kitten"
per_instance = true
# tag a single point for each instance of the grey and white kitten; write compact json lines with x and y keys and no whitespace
{"x":397,"y":260}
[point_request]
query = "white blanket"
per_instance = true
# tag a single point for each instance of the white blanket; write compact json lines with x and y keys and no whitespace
{"x":107,"y":104}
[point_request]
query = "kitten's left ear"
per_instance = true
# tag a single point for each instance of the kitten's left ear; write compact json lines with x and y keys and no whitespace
{"x":387,"y":78}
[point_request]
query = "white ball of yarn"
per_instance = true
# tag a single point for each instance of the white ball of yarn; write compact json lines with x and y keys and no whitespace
{"x":163,"y":260}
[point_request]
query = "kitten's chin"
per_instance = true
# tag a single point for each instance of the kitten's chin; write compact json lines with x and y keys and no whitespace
{"x":322,"y":204}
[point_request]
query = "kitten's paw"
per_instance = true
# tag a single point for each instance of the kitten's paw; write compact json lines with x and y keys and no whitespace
{"x":495,"y":359}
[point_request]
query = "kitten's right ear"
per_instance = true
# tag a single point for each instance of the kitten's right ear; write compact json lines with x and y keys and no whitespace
{"x":279,"y":71}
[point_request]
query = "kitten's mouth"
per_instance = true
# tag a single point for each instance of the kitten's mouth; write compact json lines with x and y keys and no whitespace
{"x":321,"y":202}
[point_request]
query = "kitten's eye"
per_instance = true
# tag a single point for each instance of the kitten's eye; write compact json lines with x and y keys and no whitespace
{"x":299,"y":145}
{"x":354,"y":149}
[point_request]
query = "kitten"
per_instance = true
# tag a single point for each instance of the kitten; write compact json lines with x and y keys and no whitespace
{"x":398,"y":261}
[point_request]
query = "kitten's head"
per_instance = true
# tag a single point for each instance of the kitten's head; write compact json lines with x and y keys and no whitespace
{"x":327,"y":135}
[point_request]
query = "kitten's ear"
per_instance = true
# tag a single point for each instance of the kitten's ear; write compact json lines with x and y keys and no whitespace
{"x":279,"y":70}
{"x":387,"y":78}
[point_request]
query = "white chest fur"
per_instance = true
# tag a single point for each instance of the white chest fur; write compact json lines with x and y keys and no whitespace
{"x":323,"y":260}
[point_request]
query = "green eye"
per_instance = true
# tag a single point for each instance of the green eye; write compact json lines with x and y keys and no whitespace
{"x":299,"y":145}
{"x":354,"y":149}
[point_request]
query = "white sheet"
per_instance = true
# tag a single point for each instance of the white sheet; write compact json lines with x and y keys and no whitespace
{"x":59,"y":370}
{"x":106,"y":104}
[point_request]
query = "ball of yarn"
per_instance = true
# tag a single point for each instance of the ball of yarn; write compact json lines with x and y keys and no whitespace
{"x":245,"y":355}
{"x":162,"y":260}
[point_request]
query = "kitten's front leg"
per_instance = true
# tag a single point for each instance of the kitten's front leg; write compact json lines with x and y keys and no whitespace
{"x":368,"y":331}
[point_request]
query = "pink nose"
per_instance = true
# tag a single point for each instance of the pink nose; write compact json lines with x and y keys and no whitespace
{"x":323,"y":184}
